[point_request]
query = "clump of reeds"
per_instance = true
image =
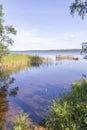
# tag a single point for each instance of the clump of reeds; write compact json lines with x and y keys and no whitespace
{"x":14,"y":61}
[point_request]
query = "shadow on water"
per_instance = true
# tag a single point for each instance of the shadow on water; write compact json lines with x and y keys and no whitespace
{"x":5,"y":90}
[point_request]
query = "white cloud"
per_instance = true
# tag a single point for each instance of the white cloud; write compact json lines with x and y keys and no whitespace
{"x":33,"y":40}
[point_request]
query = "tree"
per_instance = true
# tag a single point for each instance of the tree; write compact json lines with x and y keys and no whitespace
{"x":5,"y":32}
{"x":79,"y":6}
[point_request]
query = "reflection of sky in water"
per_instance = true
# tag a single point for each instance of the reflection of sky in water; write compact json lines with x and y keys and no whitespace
{"x":38,"y":86}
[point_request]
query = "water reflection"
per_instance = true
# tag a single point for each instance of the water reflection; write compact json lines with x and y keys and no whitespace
{"x":7,"y":89}
{"x":39,"y":84}
{"x":5,"y":83}
{"x":3,"y":107}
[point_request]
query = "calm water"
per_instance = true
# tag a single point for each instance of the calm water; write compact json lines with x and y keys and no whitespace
{"x":39,"y":85}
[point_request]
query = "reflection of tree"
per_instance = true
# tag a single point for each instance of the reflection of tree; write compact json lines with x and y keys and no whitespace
{"x":3,"y":107}
{"x":4,"y":92}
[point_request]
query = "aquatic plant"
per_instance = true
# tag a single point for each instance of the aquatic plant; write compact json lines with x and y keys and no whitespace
{"x":18,"y":61}
{"x":21,"y":122}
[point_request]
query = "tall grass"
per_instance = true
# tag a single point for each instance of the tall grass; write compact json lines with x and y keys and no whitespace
{"x":13,"y":61}
{"x":70,"y":112}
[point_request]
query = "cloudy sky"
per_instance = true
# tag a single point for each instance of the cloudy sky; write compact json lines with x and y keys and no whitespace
{"x":44,"y":24}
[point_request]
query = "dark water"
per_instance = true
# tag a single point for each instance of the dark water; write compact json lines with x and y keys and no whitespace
{"x":39,"y":85}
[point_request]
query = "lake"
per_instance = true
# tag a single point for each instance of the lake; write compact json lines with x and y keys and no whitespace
{"x":39,"y":85}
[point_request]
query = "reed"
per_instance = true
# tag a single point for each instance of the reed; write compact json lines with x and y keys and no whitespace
{"x":13,"y":61}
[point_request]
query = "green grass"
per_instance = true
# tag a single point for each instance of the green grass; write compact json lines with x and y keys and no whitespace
{"x":70,"y":112}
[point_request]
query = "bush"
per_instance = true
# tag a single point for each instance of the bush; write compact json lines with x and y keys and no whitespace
{"x":70,"y":112}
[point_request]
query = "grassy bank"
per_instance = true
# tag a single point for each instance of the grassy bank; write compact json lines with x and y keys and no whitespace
{"x":70,"y":112}
{"x":14,"y":61}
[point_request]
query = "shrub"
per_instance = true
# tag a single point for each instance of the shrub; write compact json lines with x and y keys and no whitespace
{"x":70,"y":112}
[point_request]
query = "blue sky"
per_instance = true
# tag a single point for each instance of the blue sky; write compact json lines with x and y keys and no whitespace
{"x":44,"y":24}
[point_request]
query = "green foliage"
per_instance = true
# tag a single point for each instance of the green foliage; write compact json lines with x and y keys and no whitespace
{"x":70,"y":112}
{"x":79,"y":6}
{"x":5,"y":32}
{"x":21,"y":122}
{"x":3,"y":50}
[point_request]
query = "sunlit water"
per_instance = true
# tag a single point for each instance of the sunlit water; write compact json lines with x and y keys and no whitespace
{"x":39,"y":85}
